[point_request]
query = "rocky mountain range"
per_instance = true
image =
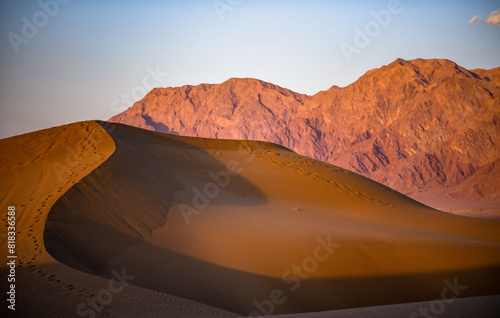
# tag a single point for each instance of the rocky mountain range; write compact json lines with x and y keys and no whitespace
{"x":419,"y":125}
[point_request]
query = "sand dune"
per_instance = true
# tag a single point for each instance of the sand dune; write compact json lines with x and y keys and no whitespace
{"x":219,"y":228}
{"x":36,"y":169}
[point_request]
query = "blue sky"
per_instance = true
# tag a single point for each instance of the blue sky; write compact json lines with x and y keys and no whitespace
{"x":88,"y":55}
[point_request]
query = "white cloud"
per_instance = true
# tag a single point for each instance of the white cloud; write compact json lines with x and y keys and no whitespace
{"x":492,"y":19}
{"x":476,"y":19}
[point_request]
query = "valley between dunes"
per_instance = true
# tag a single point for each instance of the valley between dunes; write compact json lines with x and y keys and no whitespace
{"x":199,"y":227}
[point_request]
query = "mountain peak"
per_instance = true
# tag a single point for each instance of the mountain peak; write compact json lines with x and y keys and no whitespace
{"x":422,"y":71}
{"x":240,"y":80}
{"x":247,"y":82}
{"x":401,"y":61}
{"x":435,"y":62}
{"x":254,"y":86}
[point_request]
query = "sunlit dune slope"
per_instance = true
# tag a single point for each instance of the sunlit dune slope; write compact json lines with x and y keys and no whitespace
{"x":236,"y":224}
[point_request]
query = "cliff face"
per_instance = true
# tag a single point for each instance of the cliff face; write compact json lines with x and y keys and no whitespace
{"x":411,"y":125}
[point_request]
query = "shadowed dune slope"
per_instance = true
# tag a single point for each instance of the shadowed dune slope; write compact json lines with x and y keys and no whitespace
{"x":232,"y":224}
